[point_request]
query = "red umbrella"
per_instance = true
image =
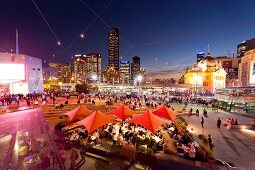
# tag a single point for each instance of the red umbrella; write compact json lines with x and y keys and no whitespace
{"x":95,"y":120}
{"x":166,"y":113}
{"x":149,"y":121}
{"x":122,"y":112}
{"x":80,"y":111}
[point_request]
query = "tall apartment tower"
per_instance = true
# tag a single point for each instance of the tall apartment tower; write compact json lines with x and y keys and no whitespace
{"x":79,"y":68}
{"x":135,"y":67}
{"x":125,"y":70}
{"x":114,"y":47}
{"x":94,"y":62}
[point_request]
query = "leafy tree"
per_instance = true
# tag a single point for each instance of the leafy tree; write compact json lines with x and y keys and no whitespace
{"x":82,"y":88}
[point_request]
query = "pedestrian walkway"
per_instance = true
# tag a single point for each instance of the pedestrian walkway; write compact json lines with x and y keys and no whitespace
{"x":232,"y":145}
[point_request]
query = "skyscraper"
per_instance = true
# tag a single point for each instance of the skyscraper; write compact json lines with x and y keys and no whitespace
{"x":135,"y":67}
{"x":93,"y":61}
{"x":79,"y":68}
{"x":114,"y":48}
{"x":125,"y":69}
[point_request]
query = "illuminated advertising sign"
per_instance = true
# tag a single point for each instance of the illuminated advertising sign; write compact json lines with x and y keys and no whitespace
{"x":12,"y":72}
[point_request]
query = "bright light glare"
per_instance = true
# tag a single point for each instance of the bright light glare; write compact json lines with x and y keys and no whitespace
{"x":139,"y":78}
{"x":12,"y":71}
{"x":250,"y":132}
{"x":197,"y":78}
{"x":94,"y":77}
{"x":82,"y":35}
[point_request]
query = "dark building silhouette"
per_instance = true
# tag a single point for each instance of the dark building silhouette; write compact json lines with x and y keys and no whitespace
{"x":135,"y":67}
{"x":114,"y":48}
{"x":245,"y":46}
{"x":200,"y":56}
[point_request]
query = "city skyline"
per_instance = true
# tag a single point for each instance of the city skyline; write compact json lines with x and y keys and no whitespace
{"x":168,"y":34}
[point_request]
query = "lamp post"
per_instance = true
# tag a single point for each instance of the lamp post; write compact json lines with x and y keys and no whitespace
{"x":196,"y":79}
{"x":139,"y":79}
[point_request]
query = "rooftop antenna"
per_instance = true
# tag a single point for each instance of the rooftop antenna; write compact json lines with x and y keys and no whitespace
{"x":208,"y":48}
{"x":17,"y":42}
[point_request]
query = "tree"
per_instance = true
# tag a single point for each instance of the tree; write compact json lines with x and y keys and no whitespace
{"x":82,"y":88}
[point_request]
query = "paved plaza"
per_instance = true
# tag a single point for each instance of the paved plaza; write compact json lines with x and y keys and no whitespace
{"x":232,"y":145}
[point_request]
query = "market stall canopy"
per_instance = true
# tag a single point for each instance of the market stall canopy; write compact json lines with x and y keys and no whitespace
{"x":122,"y":112}
{"x":149,"y":121}
{"x":80,"y":111}
{"x":95,"y":120}
{"x":166,"y":112}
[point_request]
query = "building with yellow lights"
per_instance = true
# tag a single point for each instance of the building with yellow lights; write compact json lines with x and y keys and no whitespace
{"x":111,"y":75}
{"x":207,"y":73}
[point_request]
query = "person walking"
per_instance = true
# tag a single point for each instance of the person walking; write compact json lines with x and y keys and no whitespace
{"x":202,"y":121}
{"x":218,"y":123}
{"x":197,"y":113}
{"x":210,"y":142}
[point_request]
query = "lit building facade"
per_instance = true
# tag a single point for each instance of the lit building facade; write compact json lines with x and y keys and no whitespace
{"x":208,"y":74}
{"x":143,"y":72}
{"x":67,"y":73}
{"x":135,"y":67}
{"x":230,"y":65}
{"x":111,"y":75}
{"x":79,"y":68}
{"x":125,"y":70}
{"x":113,"y":40}
{"x":94,"y":64}
{"x":22,"y":73}
{"x":247,"y":69}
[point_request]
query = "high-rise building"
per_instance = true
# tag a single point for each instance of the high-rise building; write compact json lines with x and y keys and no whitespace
{"x":143,"y":72}
{"x":114,"y":48}
{"x":94,"y":64}
{"x":245,"y":46}
{"x":55,"y":71}
{"x":67,"y":73}
{"x":135,"y":67}
{"x":79,"y":68}
{"x":246,"y":74}
{"x":125,"y":70}
{"x":86,"y":66}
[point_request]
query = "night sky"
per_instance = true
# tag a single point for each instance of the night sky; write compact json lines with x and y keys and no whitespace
{"x":166,"y":34}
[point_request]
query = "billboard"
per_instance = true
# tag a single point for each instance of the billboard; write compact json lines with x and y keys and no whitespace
{"x":12,"y":72}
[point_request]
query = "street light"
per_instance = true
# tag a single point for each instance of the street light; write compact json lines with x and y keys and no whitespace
{"x":94,"y":77}
{"x":139,"y":79}
{"x":196,"y":79}
{"x":151,"y":81}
